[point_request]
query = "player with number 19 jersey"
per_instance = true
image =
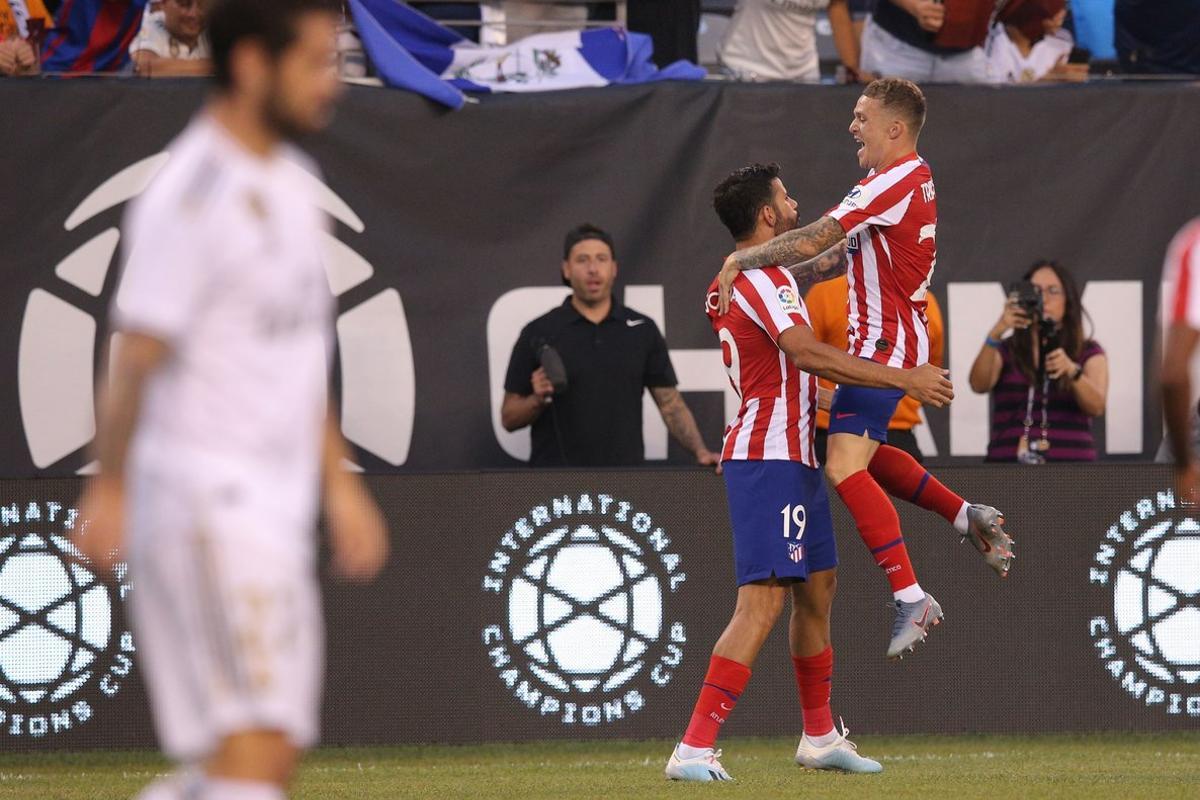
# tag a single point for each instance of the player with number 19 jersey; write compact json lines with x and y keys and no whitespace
{"x":778,"y":504}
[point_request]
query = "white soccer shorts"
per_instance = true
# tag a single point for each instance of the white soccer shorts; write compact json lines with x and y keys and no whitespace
{"x":225,"y":610}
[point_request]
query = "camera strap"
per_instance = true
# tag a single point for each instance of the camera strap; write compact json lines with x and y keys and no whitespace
{"x":1033,"y":452}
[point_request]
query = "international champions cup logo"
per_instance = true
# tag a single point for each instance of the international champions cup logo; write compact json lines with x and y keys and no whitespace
{"x":58,"y":341}
{"x":579,"y":593}
{"x":60,"y":652}
{"x":1147,"y":572}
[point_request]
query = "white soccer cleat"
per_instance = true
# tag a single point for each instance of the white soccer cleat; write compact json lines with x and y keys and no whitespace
{"x":841,"y":754}
{"x":704,"y":768}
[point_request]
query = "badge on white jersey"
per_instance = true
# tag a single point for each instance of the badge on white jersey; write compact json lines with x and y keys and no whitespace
{"x":788,"y":300}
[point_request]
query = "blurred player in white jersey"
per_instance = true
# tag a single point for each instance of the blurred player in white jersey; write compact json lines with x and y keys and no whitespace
{"x":782,"y":532}
{"x":215,"y":441}
{"x":1181,"y":274}
{"x":889,"y":224}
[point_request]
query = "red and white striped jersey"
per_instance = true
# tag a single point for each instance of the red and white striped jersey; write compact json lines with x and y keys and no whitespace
{"x":778,"y":414}
{"x":890,"y":220}
{"x":1181,"y":274}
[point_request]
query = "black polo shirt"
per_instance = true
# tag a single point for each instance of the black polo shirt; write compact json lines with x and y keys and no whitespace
{"x":599,"y":417}
{"x":904,"y":26}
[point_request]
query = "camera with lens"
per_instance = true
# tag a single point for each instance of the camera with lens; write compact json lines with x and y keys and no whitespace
{"x":1028,"y":297}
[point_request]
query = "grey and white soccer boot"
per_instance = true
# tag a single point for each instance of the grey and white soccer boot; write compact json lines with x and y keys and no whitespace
{"x":985,"y":530}
{"x":913,"y":621}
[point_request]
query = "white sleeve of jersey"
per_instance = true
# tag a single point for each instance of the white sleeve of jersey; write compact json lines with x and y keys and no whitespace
{"x":164,"y":271}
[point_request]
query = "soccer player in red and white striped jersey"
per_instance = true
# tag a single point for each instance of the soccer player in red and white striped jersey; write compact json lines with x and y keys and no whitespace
{"x":1181,"y":274}
{"x":889,"y":223}
{"x":778,"y":506}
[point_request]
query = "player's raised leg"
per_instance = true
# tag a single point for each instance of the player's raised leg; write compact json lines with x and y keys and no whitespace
{"x":904,"y":478}
{"x":857,"y":427}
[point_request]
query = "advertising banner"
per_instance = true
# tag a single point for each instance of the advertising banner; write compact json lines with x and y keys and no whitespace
{"x":540,"y":605}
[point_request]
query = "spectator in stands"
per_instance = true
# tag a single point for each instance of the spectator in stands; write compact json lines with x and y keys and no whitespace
{"x":611,"y":354}
{"x":524,"y":18}
{"x":1042,"y":410}
{"x":21,"y":24}
{"x":928,"y":41}
{"x":826,"y":304}
{"x":1092,"y":27}
{"x":172,"y":42}
{"x":674,"y":25}
{"x":1158,"y":36}
{"x":1027,"y":43}
{"x":775,"y":40}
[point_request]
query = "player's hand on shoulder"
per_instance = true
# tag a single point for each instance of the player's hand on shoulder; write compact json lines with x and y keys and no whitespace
{"x":930,"y":385}
{"x":99,"y":533}
{"x":358,"y":533}
{"x":725,"y":279}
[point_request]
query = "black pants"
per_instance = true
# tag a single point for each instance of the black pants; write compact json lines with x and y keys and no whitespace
{"x":673,"y":24}
{"x":904,"y":440}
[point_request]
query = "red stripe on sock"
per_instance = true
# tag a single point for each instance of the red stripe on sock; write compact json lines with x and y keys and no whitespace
{"x":723,"y":685}
{"x":901,"y":476}
{"x":879,"y":526}
{"x":814,"y":678}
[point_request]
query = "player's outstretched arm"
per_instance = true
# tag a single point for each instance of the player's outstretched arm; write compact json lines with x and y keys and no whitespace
{"x":792,"y":247}
{"x":102,"y":507}
{"x":926,"y":383}
{"x":357,"y":531}
{"x":831,"y":264}
{"x":1177,"y":405}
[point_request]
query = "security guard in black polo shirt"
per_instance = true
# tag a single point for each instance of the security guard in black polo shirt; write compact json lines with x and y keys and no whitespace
{"x":611,"y":354}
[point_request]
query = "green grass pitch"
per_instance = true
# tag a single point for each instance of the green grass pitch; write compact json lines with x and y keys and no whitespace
{"x":1121,"y":767}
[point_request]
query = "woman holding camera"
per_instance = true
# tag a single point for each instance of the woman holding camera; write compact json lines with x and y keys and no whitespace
{"x":1047,"y":380}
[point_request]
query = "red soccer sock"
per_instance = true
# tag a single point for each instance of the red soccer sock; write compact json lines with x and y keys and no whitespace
{"x":904,"y":478}
{"x":879,"y":527}
{"x":723,"y":685}
{"x":814,"y":677}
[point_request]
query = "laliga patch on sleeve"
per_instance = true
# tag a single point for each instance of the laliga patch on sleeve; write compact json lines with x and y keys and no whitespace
{"x":788,"y":300}
{"x":855,"y":198}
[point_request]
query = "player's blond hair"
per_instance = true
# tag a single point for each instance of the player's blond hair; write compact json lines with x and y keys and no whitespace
{"x":902,"y":97}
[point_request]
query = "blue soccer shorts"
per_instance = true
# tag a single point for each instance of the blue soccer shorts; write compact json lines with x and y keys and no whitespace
{"x":781,"y":522}
{"x":858,"y":410}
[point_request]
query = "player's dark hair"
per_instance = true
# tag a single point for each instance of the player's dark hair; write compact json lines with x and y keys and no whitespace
{"x":1071,"y":336}
{"x":270,"y":22}
{"x":738,"y":199}
{"x":901,"y":97}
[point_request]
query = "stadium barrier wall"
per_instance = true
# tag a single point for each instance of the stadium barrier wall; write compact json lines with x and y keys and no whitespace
{"x":539,"y":605}
{"x":449,"y":227}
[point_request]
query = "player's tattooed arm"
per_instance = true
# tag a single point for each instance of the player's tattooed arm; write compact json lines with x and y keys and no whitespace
{"x":787,"y":248}
{"x":791,"y":247}
{"x":830,"y":264}
{"x":681,"y":423}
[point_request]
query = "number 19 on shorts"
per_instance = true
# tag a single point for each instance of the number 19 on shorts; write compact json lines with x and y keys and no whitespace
{"x":794,"y":520}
